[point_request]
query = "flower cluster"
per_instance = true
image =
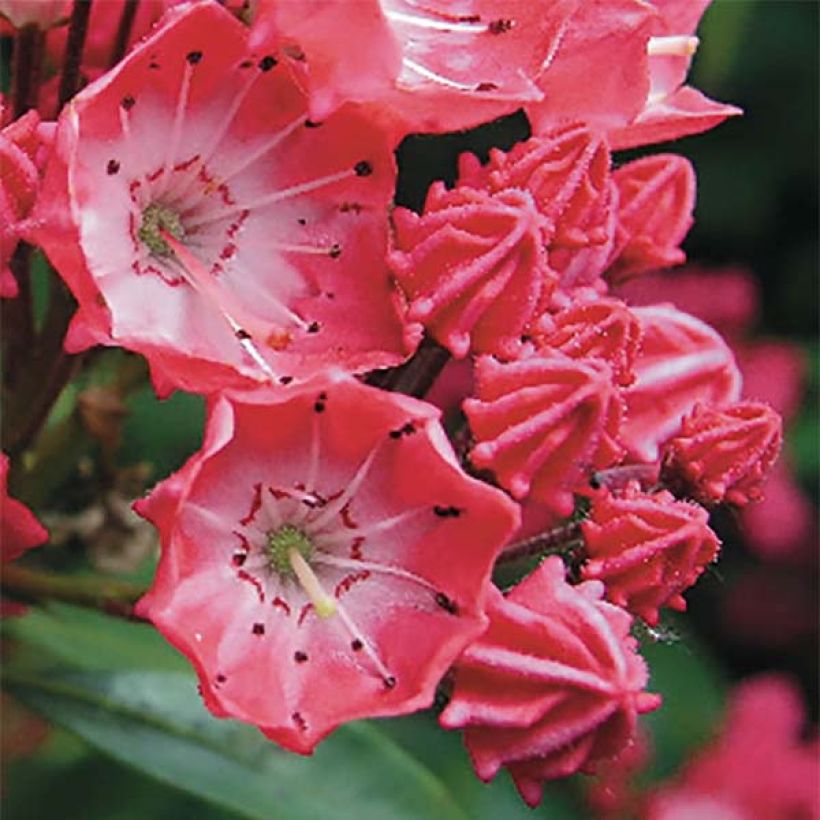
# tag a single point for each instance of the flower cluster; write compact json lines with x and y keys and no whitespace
{"x":219,"y":200}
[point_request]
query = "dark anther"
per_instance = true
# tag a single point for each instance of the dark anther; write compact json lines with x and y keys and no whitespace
{"x":447,"y":512}
{"x":313,"y":327}
{"x":319,"y":407}
{"x":389,"y":682}
{"x":258,"y":629}
{"x":246,"y":64}
{"x":221,"y":679}
{"x":242,"y":334}
{"x":112,"y":167}
{"x":405,"y":430}
{"x":500,"y":26}
{"x":302,"y":221}
{"x":363,"y":168}
{"x":267,"y":62}
{"x":486,"y":87}
{"x":526,"y":338}
{"x":153,"y":65}
{"x":446,"y":603}
{"x":595,"y":481}
{"x":356,"y":645}
{"x":285,"y":379}
{"x":127,"y":102}
{"x":300,"y":657}
{"x":335,"y":251}
{"x":193,"y":57}
{"x":295,"y":53}
{"x":312,"y":124}
{"x":238,"y":558}
{"x":297,"y":718}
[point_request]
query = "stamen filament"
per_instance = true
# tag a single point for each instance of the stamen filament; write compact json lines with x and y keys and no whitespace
{"x":324,"y":604}
{"x":437,"y":25}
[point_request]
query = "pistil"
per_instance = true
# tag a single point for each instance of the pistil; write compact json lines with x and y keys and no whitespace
{"x":323,"y":603}
{"x":675,"y":46}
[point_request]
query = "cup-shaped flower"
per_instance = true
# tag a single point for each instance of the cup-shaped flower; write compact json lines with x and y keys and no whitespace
{"x":647,"y":548}
{"x":682,"y":361}
{"x":473,"y":267}
{"x":567,"y":173}
{"x":324,"y":557}
{"x":201,"y":218}
{"x":601,"y":329}
{"x":656,"y":198}
{"x":19,"y":529}
{"x":553,"y":686}
{"x":724,"y":454}
{"x":543,"y":423}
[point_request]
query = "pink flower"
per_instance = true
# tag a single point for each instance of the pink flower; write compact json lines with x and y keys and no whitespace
{"x":543,"y":424}
{"x":426,"y":66}
{"x":473,"y":267}
{"x":24,"y":146}
{"x":681,"y":362}
{"x":646,"y":548}
{"x":19,"y":529}
{"x":554,"y":686}
{"x":307,"y":572}
{"x":603,"y":329}
{"x":655,"y":204}
{"x":724,"y":455}
{"x":567,"y":173}
{"x":201,"y":218}
{"x":758,"y":766}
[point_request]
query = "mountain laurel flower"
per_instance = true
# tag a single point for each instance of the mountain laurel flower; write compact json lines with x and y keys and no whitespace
{"x":473,"y":267}
{"x":542,"y":424}
{"x":681,"y":362}
{"x":203,"y":220}
{"x":724,"y":455}
{"x":655,"y":205}
{"x":567,"y":173}
{"x":602,"y":329}
{"x":19,"y":529}
{"x":307,"y":571}
{"x":647,"y":548}
{"x":554,"y":685}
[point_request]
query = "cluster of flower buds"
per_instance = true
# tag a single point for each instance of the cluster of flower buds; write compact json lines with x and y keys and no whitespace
{"x":218,"y":200}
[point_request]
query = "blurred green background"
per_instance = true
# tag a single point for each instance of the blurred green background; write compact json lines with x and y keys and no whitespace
{"x":757,"y":207}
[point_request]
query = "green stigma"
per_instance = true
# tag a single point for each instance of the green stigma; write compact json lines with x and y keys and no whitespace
{"x":279,"y":546}
{"x":155,"y":218}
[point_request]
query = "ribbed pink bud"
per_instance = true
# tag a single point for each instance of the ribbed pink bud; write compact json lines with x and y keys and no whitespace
{"x":724,"y":455}
{"x":543,"y":423}
{"x":604,"y":329}
{"x":647,"y":548}
{"x":473,"y":267}
{"x":655,"y":205}
{"x":554,"y":686}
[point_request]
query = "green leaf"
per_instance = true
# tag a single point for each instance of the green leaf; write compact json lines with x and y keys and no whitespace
{"x":156,"y":722}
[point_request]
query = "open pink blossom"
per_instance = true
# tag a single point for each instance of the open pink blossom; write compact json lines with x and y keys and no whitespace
{"x":24,"y":147}
{"x":656,"y":199}
{"x":602,"y":329}
{"x":19,"y":529}
{"x":757,"y":767}
{"x":542,"y":424}
{"x":681,"y":362}
{"x":567,"y":173}
{"x":641,"y":102}
{"x":201,"y":218}
{"x":554,"y":686}
{"x":307,"y":572}
{"x":647,"y":548}
{"x":473,"y":267}
{"x":724,"y":455}
{"x":428,"y":66}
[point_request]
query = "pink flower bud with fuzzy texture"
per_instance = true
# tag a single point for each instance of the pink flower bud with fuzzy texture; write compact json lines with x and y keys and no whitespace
{"x":646,"y":548}
{"x":604,"y":329}
{"x":655,"y":205}
{"x":473,"y":267}
{"x":724,"y":455}
{"x":543,"y":423}
{"x":307,"y":571}
{"x":554,"y":686}
{"x":682,"y":361}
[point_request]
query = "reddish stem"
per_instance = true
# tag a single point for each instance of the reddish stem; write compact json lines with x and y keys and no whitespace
{"x":77,"y":29}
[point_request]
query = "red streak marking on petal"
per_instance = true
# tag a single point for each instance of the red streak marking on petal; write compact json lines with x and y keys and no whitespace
{"x":280,"y":603}
{"x":347,"y":518}
{"x":303,"y":613}
{"x":348,"y":581}
{"x":154,"y":175}
{"x":184,"y":166}
{"x":279,"y":494}
{"x":256,"y":503}
{"x":356,"y":548}
{"x":246,"y":576}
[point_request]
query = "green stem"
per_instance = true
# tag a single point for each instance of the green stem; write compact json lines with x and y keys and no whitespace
{"x":32,"y":586}
{"x":77,"y":29}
